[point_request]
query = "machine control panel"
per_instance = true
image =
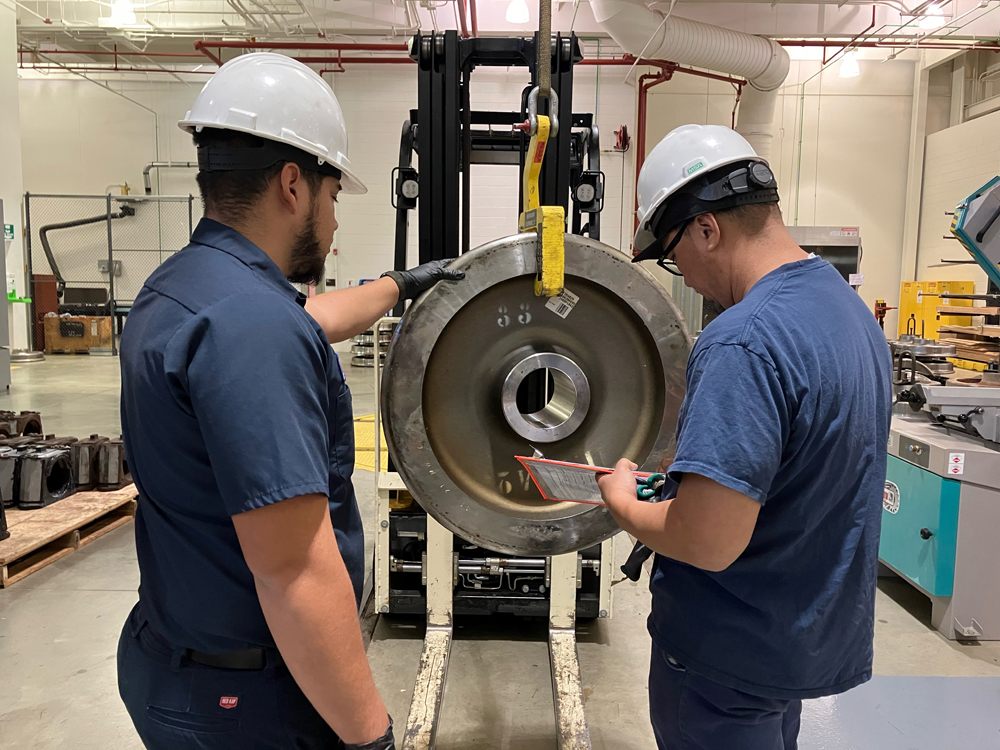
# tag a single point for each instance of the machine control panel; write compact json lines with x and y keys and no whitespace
{"x":947,"y":453}
{"x":915,"y":451}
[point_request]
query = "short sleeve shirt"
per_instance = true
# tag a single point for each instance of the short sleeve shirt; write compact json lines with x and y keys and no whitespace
{"x":232,"y":399}
{"x":788,"y":402}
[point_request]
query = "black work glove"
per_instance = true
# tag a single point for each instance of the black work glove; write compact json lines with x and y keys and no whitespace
{"x":418,"y":280}
{"x":385,"y":742}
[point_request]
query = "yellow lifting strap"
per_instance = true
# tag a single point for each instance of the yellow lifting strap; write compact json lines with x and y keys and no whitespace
{"x":548,"y":221}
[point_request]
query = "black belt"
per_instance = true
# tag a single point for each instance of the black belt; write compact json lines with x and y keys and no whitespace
{"x":251,"y":658}
{"x":247,"y":659}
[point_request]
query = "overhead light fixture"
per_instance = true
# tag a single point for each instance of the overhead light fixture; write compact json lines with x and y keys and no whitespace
{"x":849,"y":67}
{"x":933,"y":18}
{"x":122,"y":13}
{"x":517,"y":12}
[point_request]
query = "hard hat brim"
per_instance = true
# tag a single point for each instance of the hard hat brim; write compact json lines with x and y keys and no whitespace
{"x":350,"y":183}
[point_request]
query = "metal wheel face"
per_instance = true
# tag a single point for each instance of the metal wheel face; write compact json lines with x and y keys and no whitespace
{"x":565,"y":408}
{"x":481,"y":371}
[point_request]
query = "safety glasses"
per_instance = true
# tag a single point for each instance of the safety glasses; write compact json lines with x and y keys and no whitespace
{"x":666,"y":260}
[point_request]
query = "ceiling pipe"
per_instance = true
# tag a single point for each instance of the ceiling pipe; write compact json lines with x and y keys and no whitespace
{"x":72,"y":68}
{"x":147,"y":183}
{"x":107,"y":53}
{"x":343,"y":46}
{"x":379,"y":60}
{"x":885,"y":44}
{"x":205,"y":47}
{"x":463,"y":24}
{"x":474,"y":17}
{"x":763,"y":62}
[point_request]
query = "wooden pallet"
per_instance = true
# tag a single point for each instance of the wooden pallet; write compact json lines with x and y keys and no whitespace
{"x":967,"y":311}
{"x":40,"y":537}
{"x":985,"y":331}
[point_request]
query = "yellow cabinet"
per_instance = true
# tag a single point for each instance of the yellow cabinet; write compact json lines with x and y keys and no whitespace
{"x":920,"y":300}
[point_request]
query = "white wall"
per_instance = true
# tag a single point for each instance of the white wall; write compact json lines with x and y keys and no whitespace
{"x":10,"y":173}
{"x":376,"y":101}
{"x":81,"y":138}
{"x":854,"y":147}
{"x":957,"y":160}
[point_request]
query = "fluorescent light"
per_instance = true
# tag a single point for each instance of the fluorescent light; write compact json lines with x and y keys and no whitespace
{"x":517,"y":12}
{"x":849,"y":67}
{"x":122,"y":13}
{"x":933,"y":19}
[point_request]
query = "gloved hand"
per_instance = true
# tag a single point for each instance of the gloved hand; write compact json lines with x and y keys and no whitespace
{"x":418,"y":280}
{"x":385,"y":742}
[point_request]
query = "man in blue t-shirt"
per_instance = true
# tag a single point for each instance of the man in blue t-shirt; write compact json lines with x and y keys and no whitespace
{"x":764,"y":583}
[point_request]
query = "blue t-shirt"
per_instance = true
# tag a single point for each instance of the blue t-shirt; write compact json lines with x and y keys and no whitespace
{"x":232,"y":399}
{"x":788,"y":402}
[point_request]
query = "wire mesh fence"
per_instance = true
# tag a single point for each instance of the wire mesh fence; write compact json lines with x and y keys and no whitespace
{"x":91,"y":254}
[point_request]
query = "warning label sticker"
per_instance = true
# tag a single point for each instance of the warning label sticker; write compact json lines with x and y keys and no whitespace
{"x":890,"y":498}
{"x":956,"y":463}
{"x":563,"y":304}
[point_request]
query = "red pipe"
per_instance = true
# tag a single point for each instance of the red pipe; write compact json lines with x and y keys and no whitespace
{"x":462,"y":24}
{"x":474,"y":17}
{"x":662,"y":65}
{"x":361,"y":46}
{"x":331,"y":60}
{"x":357,"y":60}
{"x":646,"y":82}
{"x":214,"y":58}
{"x":204,"y":47}
{"x":887,"y":45}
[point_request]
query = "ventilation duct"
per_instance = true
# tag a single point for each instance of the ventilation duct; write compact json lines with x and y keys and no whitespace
{"x":761,"y":61}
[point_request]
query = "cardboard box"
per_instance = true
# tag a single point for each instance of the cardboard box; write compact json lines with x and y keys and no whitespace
{"x":75,"y":334}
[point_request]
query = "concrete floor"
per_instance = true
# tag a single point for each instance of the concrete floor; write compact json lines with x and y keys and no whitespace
{"x":59,"y":628}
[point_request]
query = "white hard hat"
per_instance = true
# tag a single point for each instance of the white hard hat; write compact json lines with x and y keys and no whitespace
{"x":279,"y":99}
{"x":685,"y":154}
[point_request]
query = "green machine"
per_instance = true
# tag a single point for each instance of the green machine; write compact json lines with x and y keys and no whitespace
{"x":941,"y":506}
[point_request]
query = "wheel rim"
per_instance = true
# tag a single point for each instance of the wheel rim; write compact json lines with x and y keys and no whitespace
{"x":609,"y":378}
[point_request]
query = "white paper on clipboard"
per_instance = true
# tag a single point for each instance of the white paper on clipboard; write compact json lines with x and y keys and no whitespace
{"x":561,"y":481}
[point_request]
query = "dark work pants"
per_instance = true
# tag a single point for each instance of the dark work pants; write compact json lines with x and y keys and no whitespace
{"x":176,"y":704}
{"x":689,"y":712}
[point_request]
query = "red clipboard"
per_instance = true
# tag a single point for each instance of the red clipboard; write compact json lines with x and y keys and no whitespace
{"x":562,"y":481}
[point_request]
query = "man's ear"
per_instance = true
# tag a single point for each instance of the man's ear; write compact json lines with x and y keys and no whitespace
{"x":706,"y":231}
{"x":293,"y":192}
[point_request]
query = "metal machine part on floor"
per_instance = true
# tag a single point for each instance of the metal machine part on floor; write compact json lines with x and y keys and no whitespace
{"x":363,"y":347}
{"x":86,"y":461}
{"x":112,"y":467}
{"x":941,"y":506}
{"x":36,"y":471}
{"x":23,"y":423}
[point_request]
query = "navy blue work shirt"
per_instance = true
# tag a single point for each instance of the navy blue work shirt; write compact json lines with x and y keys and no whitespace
{"x":232,"y":399}
{"x":788,"y":402}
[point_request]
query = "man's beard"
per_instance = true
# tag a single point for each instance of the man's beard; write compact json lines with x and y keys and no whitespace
{"x":308,"y":261}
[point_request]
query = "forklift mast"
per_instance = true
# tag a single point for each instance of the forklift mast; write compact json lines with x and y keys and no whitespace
{"x":449,"y":137}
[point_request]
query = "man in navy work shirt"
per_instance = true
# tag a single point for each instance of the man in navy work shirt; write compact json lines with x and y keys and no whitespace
{"x":763,"y":587}
{"x":238,"y":429}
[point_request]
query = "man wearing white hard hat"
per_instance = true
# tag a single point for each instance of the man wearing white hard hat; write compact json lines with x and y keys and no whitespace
{"x":763,"y":585}
{"x":238,"y":429}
